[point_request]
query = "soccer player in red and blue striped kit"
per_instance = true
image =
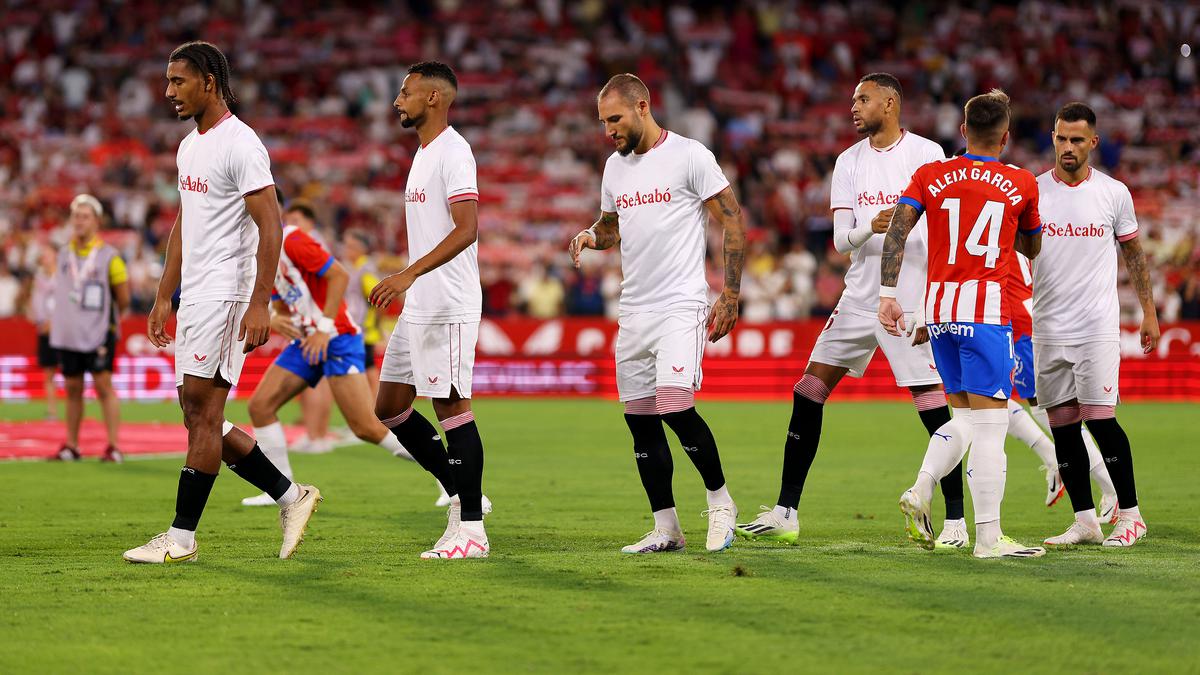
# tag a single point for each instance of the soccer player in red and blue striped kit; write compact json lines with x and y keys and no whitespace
{"x":978,"y":211}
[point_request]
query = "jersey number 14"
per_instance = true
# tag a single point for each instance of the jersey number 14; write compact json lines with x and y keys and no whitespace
{"x":986,"y":225}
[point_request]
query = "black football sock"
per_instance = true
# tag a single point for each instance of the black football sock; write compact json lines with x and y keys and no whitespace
{"x":698,"y":444}
{"x":422,"y":441}
{"x":465,"y":448}
{"x":1073,"y":465}
{"x":1114,"y":447}
{"x":258,"y":471}
{"x":653,"y":456}
{"x":951,"y":483}
{"x":800,"y":448}
{"x":194,"y":488}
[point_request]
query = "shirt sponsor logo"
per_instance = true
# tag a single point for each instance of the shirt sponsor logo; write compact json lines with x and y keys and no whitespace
{"x":627,"y":200}
{"x":189,"y":184}
{"x":414,"y":196}
{"x":877,"y":199}
{"x":1072,"y":230}
{"x":938,"y":329}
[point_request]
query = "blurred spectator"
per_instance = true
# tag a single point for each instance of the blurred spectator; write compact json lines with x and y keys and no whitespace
{"x":765,"y":85}
{"x":10,"y":289}
{"x":541,"y":293}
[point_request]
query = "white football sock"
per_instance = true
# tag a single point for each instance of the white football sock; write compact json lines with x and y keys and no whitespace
{"x":1096,"y":465}
{"x":392,"y":444}
{"x":785,"y":512}
{"x":185,"y":538}
{"x":1088,"y":518}
{"x":1022,"y":427}
{"x":719,"y":497}
{"x":289,"y":497}
{"x":1039,"y":414}
{"x":945,"y":450}
{"x":1132,"y":513}
{"x":667,"y":520}
{"x":986,"y":467}
{"x":274,"y":445}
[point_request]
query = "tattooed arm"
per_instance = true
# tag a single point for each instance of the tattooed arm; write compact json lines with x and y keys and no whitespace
{"x":603,"y":234}
{"x":891,"y":315}
{"x":725,"y":210}
{"x":1139,"y":275}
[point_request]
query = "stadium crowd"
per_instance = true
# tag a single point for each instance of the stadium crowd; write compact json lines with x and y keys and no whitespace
{"x":766,"y":85}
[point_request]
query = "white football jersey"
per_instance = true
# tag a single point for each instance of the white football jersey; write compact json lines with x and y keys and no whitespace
{"x":1075,"y":275}
{"x":442,"y":173}
{"x":659,"y":200}
{"x":217,"y":169}
{"x":868,"y":180}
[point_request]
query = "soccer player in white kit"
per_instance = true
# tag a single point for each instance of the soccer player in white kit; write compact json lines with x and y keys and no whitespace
{"x":1076,"y":336}
{"x":867,"y":181}
{"x":654,"y":195}
{"x":432,"y":348}
{"x":222,"y":254}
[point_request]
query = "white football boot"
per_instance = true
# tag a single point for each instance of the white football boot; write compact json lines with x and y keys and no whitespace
{"x":1077,"y":534}
{"x":1109,"y":509}
{"x":1007,"y":547}
{"x":469,"y":541}
{"x":916,"y":519}
{"x":161,"y":549}
{"x":293,"y":518}
{"x":954,"y":535}
{"x":1126,"y":533}
{"x":722,"y":519}
{"x":771,"y":526}
{"x":657,"y":541}
{"x":1054,"y":485}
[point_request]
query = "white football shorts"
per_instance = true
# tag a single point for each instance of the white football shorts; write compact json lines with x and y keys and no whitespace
{"x":432,"y":357}
{"x":1087,"y":372}
{"x":849,"y":341}
{"x":659,"y":349}
{"x":206,"y":340}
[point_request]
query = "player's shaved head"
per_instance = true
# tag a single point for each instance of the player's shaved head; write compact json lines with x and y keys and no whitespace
{"x":987,"y":116}
{"x":628,"y":86}
{"x":437,"y":75}
{"x":885,"y":80}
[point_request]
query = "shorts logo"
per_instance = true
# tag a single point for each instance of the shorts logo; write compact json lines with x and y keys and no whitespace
{"x":965,"y":330}
{"x":1108,"y":390}
{"x":932,"y":367}
{"x":432,"y":380}
{"x":200,"y":357}
{"x":641,"y":455}
{"x":678,"y":369}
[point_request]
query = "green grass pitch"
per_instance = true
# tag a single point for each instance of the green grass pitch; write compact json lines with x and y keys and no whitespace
{"x":557,"y":596}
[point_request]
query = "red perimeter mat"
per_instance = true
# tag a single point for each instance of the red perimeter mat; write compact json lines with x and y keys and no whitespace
{"x":41,"y":439}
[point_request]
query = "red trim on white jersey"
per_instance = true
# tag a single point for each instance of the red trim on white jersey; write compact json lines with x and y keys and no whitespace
{"x":216,"y":124}
{"x":662,"y":137}
{"x":464,"y":197}
{"x":1063,"y":182}
{"x":891,"y":147}
{"x":1127,"y":237}
{"x":426,"y":145}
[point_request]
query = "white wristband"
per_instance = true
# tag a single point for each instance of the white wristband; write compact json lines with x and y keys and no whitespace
{"x":326,"y":325}
{"x":592,"y":231}
{"x":887,"y":291}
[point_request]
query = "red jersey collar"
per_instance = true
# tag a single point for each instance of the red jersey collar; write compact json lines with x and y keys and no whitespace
{"x":1085,"y":179}
{"x":216,"y":124}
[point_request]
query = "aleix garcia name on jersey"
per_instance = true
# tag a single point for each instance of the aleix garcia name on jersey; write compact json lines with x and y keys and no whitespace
{"x":982,"y":175}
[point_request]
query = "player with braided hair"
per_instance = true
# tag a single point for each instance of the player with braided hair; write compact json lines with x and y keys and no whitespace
{"x":222,"y":254}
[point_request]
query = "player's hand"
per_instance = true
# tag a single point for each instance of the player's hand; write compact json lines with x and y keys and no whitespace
{"x":891,"y":316}
{"x":722,"y":317}
{"x":315,"y":347}
{"x":1150,"y":333}
{"x":255,"y":327}
{"x":581,"y":241}
{"x":156,"y":324}
{"x":920,"y":336}
{"x":282,"y":324}
{"x":391,"y":288}
{"x":879,"y":224}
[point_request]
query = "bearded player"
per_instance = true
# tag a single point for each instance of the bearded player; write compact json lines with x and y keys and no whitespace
{"x":656,"y":196}
{"x":1076,"y":339}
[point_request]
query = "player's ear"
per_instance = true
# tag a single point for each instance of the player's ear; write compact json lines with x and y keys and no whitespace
{"x":962,"y":129}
